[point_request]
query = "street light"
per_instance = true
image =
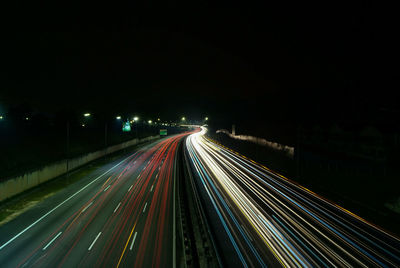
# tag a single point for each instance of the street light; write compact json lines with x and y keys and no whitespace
{"x":118,"y":117}
{"x":86,"y":114}
{"x":1,"y":117}
{"x":206,"y":118}
{"x":183,"y":118}
{"x":150,"y":121}
{"x":136,"y":118}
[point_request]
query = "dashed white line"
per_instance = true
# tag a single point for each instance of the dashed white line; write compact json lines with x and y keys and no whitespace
{"x":59,"y":205}
{"x":83,"y":210}
{"x":151,"y":189}
{"x":117,"y":207}
{"x":133,"y":241}
{"x":94,"y":241}
{"x":130,"y":188}
{"x":107,"y":188}
{"x":52,"y":240}
{"x":157,"y":176}
{"x":145,"y":207}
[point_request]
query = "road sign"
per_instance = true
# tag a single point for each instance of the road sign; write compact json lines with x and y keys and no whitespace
{"x":126,"y":127}
{"x":163,"y":132}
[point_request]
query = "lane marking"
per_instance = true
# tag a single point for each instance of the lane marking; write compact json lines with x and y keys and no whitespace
{"x":59,"y":205}
{"x":130,"y":188}
{"x":157,"y":176}
{"x":151,"y":188}
{"x":145,"y":207}
{"x":133,"y":241}
{"x":117,"y":207}
{"x":83,"y":210}
{"x":94,"y":241}
{"x":107,"y":188}
{"x":48,"y":244}
{"x":123,"y":252}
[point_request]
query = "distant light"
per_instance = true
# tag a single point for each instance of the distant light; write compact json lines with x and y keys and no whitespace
{"x":26,"y":118}
{"x":83,"y":125}
{"x":183,"y":118}
{"x":158,"y":119}
{"x":131,"y":121}
{"x":206,"y":118}
{"x":136,"y":118}
{"x":86,"y":114}
{"x":1,"y":117}
{"x":150,"y":121}
{"x":118,"y":117}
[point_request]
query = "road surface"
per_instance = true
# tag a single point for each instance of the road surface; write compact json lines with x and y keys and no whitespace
{"x":122,"y":215}
{"x":261,"y":218}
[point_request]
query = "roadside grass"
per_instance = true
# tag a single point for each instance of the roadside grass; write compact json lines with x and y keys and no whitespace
{"x":10,"y":209}
{"x":15,"y":206}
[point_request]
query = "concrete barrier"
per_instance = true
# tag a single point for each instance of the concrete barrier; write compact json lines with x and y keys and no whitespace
{"x":19,"y":184}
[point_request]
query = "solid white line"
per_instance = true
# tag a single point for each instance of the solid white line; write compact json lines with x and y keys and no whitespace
{"x":152,"y":188}
{"x":52,"y":240}
{"x":117,"y":207}
{"x":130,"y":188}
{"x":83,"y":210}
{"x":107,"y":188}
{"x":59,"y":205}
{"x":145,"y":207}
{"x":133,"y":241}
{"x":94,"y":241}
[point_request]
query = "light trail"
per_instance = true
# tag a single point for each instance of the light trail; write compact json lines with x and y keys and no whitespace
{"x":262,"y":211}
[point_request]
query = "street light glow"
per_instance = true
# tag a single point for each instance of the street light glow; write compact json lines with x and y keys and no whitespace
{"x":206,"y":118}
{"x":150,"y":121}
{"x":118,"y":117}
{"x":1,"y":117}
{"x":183,"y":118}
{"x":86,"y":114}
{"x":136,"y":118}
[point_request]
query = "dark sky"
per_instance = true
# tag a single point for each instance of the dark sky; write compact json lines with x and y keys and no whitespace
{"x":269,"y":62}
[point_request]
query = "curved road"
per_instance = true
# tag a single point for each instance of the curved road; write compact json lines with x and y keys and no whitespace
{"x":122,"y":215}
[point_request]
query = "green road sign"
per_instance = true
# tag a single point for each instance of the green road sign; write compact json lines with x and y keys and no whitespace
{"x":163,"y":132}
{"x":126,"y":127}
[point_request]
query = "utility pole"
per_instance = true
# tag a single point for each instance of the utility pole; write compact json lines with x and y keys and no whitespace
{"x":67,"y":150}
{"x":105,"y":141}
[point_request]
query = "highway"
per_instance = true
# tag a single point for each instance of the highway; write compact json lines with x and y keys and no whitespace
{"x":121,"y":215}
{"x":259,"y":218}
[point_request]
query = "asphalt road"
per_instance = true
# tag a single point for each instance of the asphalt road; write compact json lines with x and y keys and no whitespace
{"x":260,"y":218}
{"x":120,"y":215}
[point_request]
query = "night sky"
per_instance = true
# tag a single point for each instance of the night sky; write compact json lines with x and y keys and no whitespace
{"x":234,"y":62}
